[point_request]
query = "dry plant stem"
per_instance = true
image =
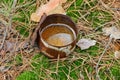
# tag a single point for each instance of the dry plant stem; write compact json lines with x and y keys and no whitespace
{"x":5,"y":33}
{"x":14,"y":4}
{"x":97,"y":65}
{"x":37,"y":3}
{"x":21,"y":6}
{"x":104,"y":25}
{"x":10,"y":18}
{"x":8,"y":28}
{"x":87,"y":74}
{"x":68,"y":5}
{"x":11,"y":14}
{"x":109,"y":9}
{"x":58,"y":60}
{"x":68,"y":76}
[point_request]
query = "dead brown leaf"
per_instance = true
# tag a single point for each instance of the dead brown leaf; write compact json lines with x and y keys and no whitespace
{"x":53,"y":6}
{"x":113,"y":32}
{"x":85,"y":43}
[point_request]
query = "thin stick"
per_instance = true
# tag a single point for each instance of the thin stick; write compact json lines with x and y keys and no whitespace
{"x":57,"y":65}
{"x":14,"y":4}
{"x":24,"y":5}
{"x":10,"y":14}
{"x":8,"y":26}
{"x":3,"y":41}
{"x":97,"y":71}
{"x":5,"y":33}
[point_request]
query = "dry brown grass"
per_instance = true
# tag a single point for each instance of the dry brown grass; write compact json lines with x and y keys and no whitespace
{"x":10,"y":36}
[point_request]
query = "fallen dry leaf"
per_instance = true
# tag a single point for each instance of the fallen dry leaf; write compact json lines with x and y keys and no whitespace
{"x":52,"y":7}
{"x":85,"y":43}
{"x":116,"y":45}
{"x":59,"y":9}
{"x":113,"y":32}
{"x":116,"y":48}
{"x":117,"y":54}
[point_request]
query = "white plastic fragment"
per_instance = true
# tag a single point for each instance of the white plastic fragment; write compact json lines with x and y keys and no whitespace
{"x":85,"y":43}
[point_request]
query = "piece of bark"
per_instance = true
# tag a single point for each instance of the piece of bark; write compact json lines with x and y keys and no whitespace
{"x":34,"y":35}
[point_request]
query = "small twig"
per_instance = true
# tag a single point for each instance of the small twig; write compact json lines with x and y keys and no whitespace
{"x":89,"y":77}
{"x":109,"y":9}
{"x":8,"y":26}
{"x":97,"y":65}
{"x":21,"y":6}
{"x":37,"y":3}
{"x":67,"y":7}
{"x":68,"y":76}
{"x":81,"y":76}
{"x":10,"y":14}
{"x":14,"y":4}
{"x":111,"y":22}
{"x":57,"y":65}
{"x":5,"y":32}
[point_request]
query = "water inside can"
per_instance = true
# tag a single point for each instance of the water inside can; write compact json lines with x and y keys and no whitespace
{"x":58,"y":34}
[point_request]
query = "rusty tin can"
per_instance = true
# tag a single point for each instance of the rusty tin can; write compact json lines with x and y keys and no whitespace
{"x":57,"y":36}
